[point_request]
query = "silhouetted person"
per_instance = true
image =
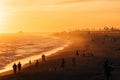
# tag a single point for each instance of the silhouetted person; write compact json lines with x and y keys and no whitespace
{"x":14,"y":68}
{"x":77,"y":53}
{"x":107,"y":69}
{"x":89,"y":32}
{"x":54,"y":68}
{"x":29,"y":61}
{"x":92,"y":55}
{"x":36,"y":63}
{"x":74,"y":60}
{"x":62,"y":63}
{"x":43,"y":58}
{"x":19,"y":66}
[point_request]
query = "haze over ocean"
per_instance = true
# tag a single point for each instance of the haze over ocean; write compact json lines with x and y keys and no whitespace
{"x":23,"y":46}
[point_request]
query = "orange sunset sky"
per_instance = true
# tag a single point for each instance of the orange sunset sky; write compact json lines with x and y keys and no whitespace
{"x":57,"y":15}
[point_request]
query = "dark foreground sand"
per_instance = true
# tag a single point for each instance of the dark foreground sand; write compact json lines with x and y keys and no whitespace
{"x":86,"y":68}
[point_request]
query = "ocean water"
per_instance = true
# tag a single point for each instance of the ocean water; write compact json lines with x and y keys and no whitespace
{"x":15,"y":47}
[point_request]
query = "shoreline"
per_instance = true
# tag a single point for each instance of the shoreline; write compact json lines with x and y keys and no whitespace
{"x":8,"y":68}
{"x":85,"y":68}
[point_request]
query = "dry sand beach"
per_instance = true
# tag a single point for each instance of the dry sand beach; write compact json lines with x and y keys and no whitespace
{"x":87,"y":67}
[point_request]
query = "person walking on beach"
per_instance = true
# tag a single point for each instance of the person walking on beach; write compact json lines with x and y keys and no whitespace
{"x":107,"y":69}
{"x":62,"y":63}
{"x":74,"y":61}
{"x":43,"y":58}
{"x":14,"y":68}
{"x":77,"y":53}
{"x":19,"y":66}
{"x":36,"y":63}
{"x":30,"y":62}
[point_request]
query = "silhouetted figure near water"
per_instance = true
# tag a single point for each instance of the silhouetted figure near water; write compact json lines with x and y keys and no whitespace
{"x":19,"y":66}
{"x":14,"y":68}
{"x":107,"y":69}
{"x":43,"y":58}
{"x":36,"y":63}
{"x":77,"y":53}
{"x":29,"y":61}
{"x":74,"y":61}
{"x":62,"y":63}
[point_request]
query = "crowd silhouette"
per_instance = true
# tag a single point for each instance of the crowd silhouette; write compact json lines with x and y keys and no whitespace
{"x":107,"y":65}
{"x":18,"y":67}
{"x":80,"y":58}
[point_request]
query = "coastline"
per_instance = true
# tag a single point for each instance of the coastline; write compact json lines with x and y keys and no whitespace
{"x":8,"y":68}
{"x":86,"y":68}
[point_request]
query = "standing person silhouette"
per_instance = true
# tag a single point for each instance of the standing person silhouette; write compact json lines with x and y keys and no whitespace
{"x":107,"y":69}
{"x":62,"y":63}
{"x":77,"y":53}
{"x":30,"y":62}
{"x":36,"y":63}
{"x":43,"y":58}
{"x":74,"y":61}
{"x":14,"y":68}
{"x":19,"y":66}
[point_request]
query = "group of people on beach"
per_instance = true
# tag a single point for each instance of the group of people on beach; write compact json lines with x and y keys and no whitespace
{"x":43,"y":57}
{"x":17,"y":67}
{"x":63,"y":62}
{"x":107,"y":65}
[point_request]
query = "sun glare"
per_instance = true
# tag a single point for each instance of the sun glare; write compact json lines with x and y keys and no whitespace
{"x":2,"y":14}
{"x":2,"y":18}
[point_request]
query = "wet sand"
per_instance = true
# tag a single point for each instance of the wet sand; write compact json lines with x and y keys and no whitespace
{"x":25,"y":61}
{"x":86,"y":67}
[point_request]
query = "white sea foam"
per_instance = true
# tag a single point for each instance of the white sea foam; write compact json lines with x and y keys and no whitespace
{"x":27,"y":48}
